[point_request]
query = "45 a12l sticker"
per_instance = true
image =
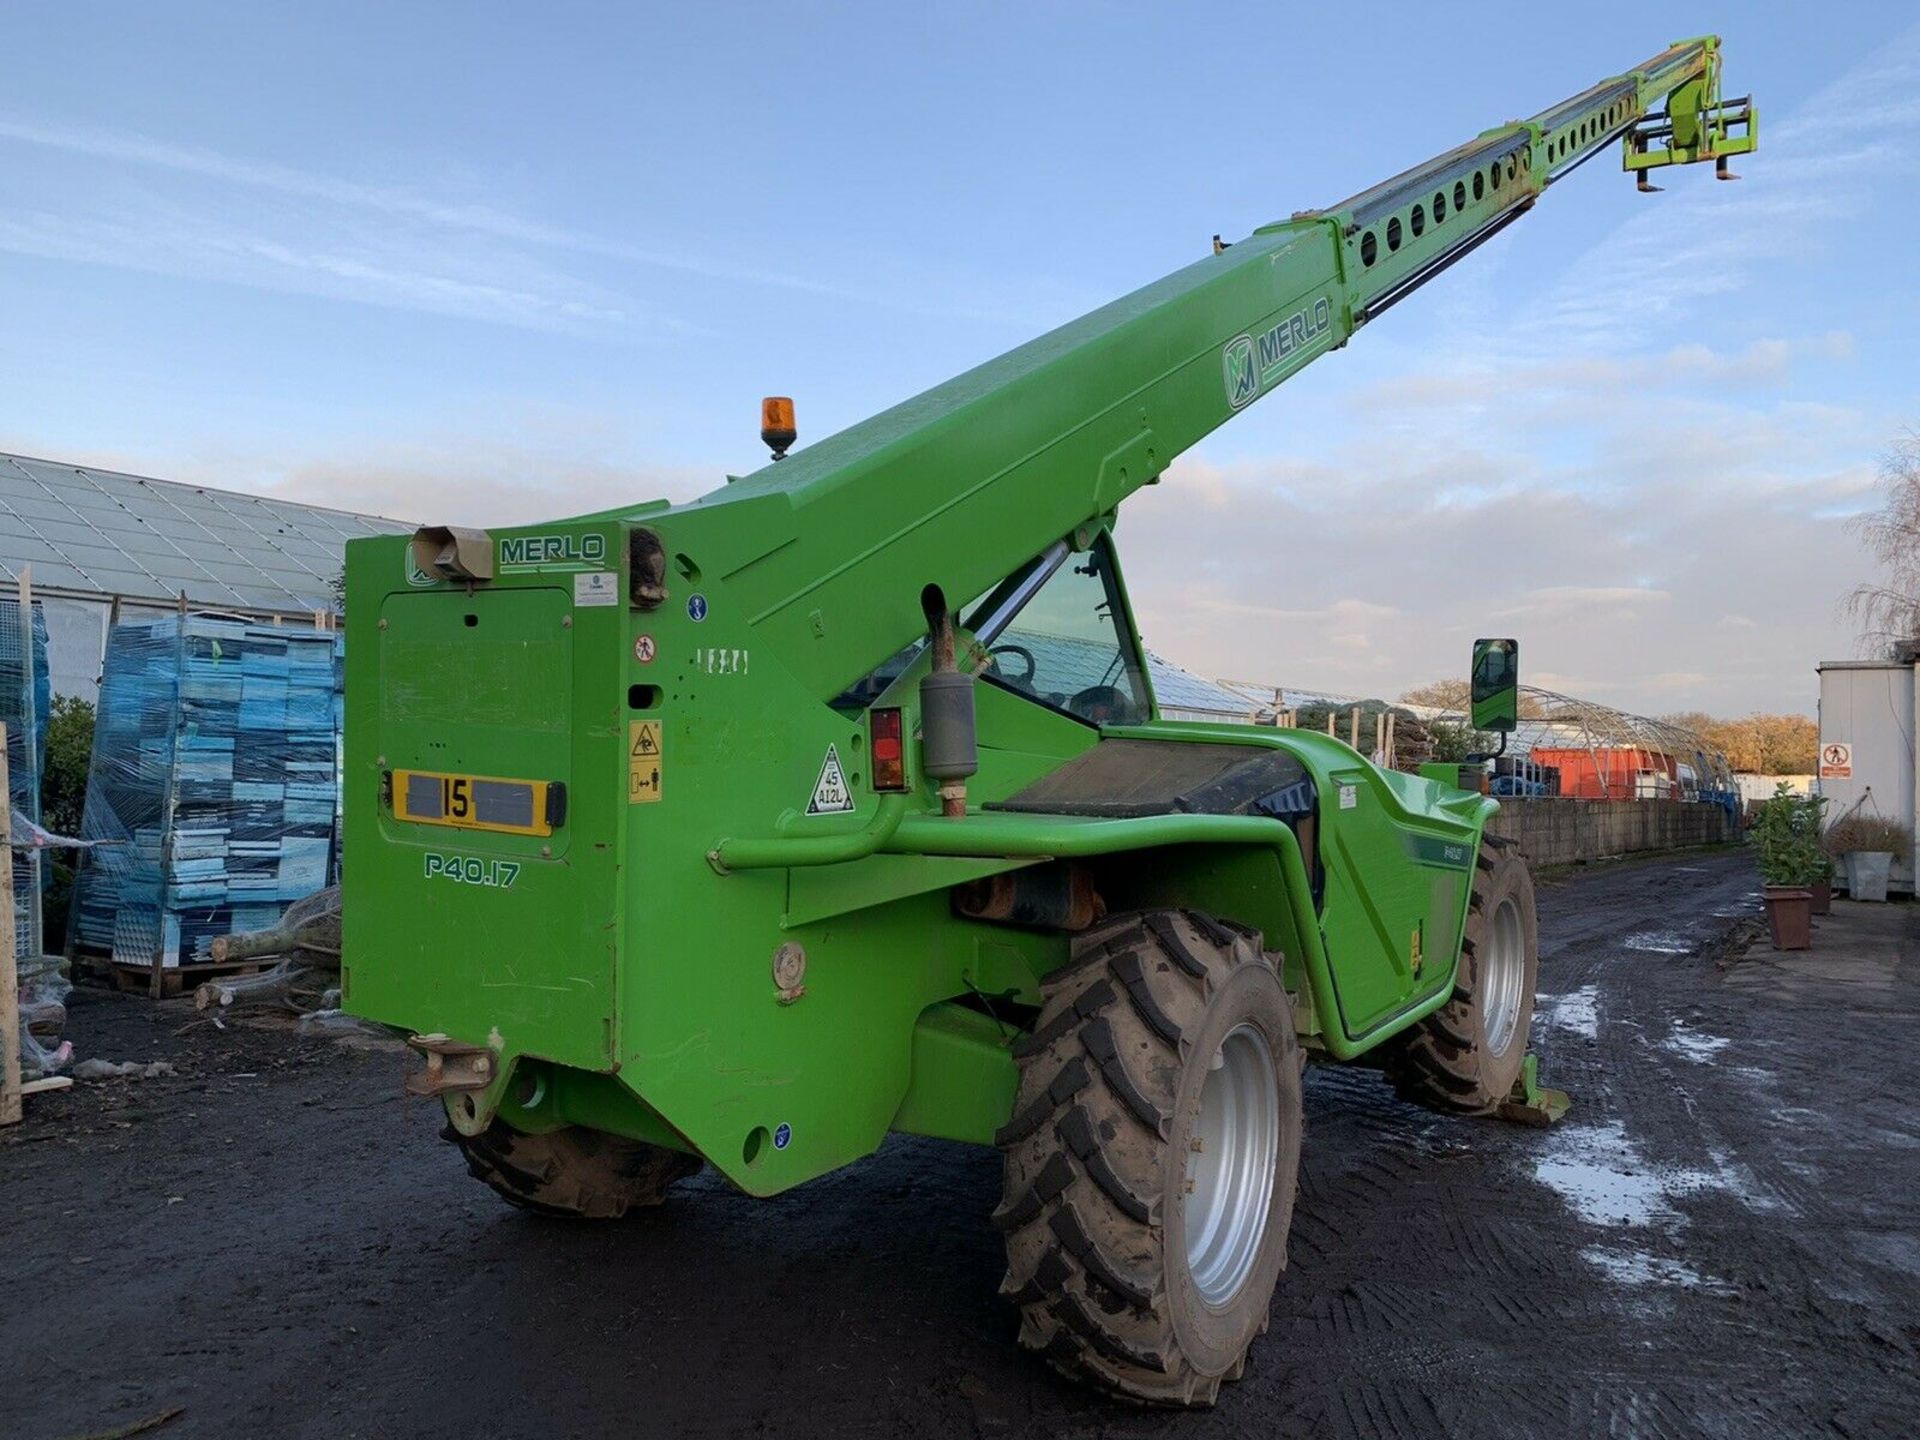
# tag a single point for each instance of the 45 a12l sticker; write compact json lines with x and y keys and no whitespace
{"x":831,"y":793}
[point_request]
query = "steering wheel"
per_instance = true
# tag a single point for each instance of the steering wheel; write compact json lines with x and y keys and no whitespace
{"x":1104,"y":705}
{"x":1022,"y":653}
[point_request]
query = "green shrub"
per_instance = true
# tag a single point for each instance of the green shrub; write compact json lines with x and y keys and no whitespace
{"x":1786,"y":835}
{"x":63,"y":799}
{"x":63,"y":787}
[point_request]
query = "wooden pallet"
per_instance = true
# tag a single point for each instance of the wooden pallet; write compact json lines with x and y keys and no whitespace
{"x":180,"y":979}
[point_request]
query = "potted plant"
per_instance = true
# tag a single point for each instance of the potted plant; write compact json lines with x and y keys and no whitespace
{"x":1812,"y":810}
{"x":1868,"y":847}
{"x":1789,"y":855}
{"x":1822,"y":887}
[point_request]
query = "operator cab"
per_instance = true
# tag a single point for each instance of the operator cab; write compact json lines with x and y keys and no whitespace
{"x":1056,"y":631}
{"x":1059,"y":631}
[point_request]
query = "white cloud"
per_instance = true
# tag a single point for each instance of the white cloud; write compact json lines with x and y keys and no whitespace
{"x":144,"y":203}
{"x":508,"y":486}
{"x":1705,"y":579}
{"x":1618,"y":602}
{"x":394,"y":202}
{"x":522,"y":468}
{"x":369,"y":265}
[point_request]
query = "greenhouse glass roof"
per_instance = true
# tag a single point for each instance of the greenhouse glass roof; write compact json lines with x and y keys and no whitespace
{"x":101,"y":532}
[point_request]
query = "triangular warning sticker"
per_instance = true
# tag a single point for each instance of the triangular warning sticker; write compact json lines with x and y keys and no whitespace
{"x":831,"y":796}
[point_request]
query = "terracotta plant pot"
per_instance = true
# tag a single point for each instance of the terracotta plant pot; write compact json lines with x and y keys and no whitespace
{"x":1790,"y":916}
{"x":1822,"y":891}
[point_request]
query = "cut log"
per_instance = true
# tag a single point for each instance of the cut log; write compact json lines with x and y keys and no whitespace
{"x":310,"y":926}
{"x":277,"y":986}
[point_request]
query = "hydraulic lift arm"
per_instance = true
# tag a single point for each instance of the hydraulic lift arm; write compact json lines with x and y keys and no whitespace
{"x":829,"y":549}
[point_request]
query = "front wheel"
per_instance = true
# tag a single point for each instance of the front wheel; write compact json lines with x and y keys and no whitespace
{"x":1152,"y":1158}
{"x":1466,"y":1056}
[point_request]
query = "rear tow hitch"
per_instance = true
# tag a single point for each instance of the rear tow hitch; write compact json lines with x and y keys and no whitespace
{"x":451,"y":1066}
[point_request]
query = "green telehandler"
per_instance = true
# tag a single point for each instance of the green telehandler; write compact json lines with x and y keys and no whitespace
{"x":746,"y":831}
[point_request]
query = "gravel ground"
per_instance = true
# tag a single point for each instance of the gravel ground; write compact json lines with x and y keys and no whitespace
{"x":1722,"y":1240}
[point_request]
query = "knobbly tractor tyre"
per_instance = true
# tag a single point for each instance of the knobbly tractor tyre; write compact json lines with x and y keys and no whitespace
{"x":1465,"y":1057}
{"x":1152,"y":1157}
{"x":572,"y":1173}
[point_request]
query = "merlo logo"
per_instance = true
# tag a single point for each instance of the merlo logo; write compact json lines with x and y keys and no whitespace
{"x":1243,"y":377}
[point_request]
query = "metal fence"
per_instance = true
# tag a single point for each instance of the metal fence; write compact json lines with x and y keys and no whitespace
{"x":1607,"y":754}
{"x":1563,"y":746}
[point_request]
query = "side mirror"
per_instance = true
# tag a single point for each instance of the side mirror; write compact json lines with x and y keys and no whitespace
{"x":1496,"y":685}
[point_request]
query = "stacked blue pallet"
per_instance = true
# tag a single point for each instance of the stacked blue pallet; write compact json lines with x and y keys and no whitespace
{"x":339,"y":754}
{"x":214,"y":781}
{"x":26,"y":747}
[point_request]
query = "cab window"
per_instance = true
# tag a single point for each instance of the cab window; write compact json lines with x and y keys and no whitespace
{"x":1068,"y":647}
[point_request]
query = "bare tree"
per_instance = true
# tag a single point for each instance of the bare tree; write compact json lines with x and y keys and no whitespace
{"x":1888,"y":609}
{"x":1756,"y":744}
{"x":1456,"y":697}
{"x":1440,"y":694}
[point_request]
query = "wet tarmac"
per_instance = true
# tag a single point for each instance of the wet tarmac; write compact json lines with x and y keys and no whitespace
{"x":1722,"y":1240}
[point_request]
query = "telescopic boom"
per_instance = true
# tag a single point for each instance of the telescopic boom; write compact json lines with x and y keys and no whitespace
{"x":967,"y":481}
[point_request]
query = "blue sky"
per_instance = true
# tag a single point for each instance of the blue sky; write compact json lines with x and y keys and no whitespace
{"x":492,"y":263}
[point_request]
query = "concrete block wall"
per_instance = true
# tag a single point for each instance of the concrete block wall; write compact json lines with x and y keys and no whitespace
{"x":1563,"y":832}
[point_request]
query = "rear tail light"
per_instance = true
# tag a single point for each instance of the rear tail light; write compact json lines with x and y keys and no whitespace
{"x":888,"y":750}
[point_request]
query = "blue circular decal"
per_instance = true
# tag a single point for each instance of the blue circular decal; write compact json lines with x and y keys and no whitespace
{"x":696,"y":608}
{"x":782,"y":1135}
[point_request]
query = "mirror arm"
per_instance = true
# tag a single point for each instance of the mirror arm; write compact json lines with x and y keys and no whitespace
{"x":1491,"y":754}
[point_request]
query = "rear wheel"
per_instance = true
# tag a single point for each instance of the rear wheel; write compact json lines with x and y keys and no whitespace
{"x":572,"y":1172}
{"x":1152,"y":1157}
{"x":1466,"y":1056}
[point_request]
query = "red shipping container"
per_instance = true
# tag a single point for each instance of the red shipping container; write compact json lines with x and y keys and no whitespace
{"x":1606,"y":773}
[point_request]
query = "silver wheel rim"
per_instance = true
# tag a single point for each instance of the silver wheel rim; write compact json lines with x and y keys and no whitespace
{"x":1503,"y":976}
{"x":1236,"y":1140}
